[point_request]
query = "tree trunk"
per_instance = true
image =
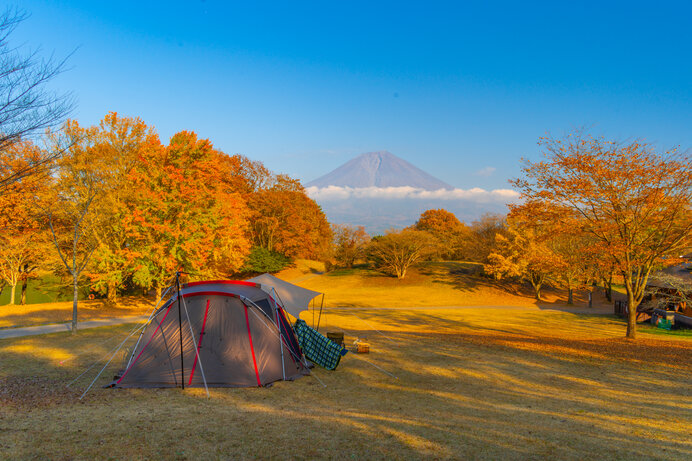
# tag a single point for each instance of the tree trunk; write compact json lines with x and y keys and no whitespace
{"x":608,"y":288}
{"x":12,"y":289}
{"x":157,"y":292}
{"x":536,"y":290}
{"x":25,"y":283}
{"x":631,"y":317}
{"x":75,"y":296}
{"x":570,"y":297}
{"x":112,"y":294}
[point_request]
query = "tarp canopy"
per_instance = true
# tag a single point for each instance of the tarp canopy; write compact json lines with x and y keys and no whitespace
{"x":293,"y":298}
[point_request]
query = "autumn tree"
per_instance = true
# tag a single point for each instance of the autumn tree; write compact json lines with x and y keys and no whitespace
{"x":23,"y":240}
{"x":350,"y":243}
{"x":69,"y":205}
{"x":27,"y":105}
{"x":447,"y":229}
{"x":633,"y":199}
{"x":396,"y":251}
{"x":287,"y":221}
{"x":523,"y":252}
{"x":481,"y":240}
{"x":184,"y":214}
{"x":119,"y":142}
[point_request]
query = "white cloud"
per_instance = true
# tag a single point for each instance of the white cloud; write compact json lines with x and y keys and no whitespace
{"x":485,"y":172}
{"x":475,"y":194}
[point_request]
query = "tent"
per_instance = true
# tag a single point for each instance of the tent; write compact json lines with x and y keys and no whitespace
{"x":231,"y":334}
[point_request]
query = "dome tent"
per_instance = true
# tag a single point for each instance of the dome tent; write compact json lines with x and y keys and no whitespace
{"x":231,"y":333}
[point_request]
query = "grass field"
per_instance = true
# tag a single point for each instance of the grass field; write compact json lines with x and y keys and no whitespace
{"x":432,"y":284}
{"x":495,"y":383}
{"x":429,"y":284}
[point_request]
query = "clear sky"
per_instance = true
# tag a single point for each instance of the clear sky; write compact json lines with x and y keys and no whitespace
{"x":460,"y":89}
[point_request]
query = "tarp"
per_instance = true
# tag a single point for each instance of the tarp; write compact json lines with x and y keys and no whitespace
{"x":293,"y":298}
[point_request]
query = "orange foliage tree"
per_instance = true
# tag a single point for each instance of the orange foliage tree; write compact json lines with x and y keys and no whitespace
{"x":447,"y":229}
{"x":23,"y":240}
{"x":349,"y":243}
{"x":184,"y":214}
{"x":287,"y":221}
{"x":634,"y":201}
{"x":523,"y":251}
{"x":69,"y":204}
{"x":119,"y":142}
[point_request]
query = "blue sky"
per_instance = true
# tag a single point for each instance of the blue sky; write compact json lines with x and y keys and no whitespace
{"x":461,"y":90}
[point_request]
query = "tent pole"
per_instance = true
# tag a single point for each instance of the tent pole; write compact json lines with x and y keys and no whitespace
{"x":132,"y":356}
{"x":281,"y":346}
{"x":180,"y":331}
{"x":300,"y":359}
{"x":194,"y":344}
{"x":320,"y":316}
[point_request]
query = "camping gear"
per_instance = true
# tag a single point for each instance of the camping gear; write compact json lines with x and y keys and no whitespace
{"x":317,"y":348}
{"x":337,"y":337}
{"x":361,"y":346}
{"x":231,"y":334}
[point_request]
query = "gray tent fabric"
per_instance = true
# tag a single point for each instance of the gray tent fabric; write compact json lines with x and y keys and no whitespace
{"x":238,"y":343}
{"x":295,"y":299}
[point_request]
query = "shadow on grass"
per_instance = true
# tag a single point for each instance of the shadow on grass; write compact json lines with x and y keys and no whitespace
{"x":476,"y":392}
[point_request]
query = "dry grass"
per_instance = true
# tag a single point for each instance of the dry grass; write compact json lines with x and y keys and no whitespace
{"x":472,"y":383}
{"x":60,"y":312}
{"x":431,"y":284}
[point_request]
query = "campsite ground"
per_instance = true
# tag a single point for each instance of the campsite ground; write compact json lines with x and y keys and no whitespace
{"x":526,"y":381}
{"x":470,"y":383}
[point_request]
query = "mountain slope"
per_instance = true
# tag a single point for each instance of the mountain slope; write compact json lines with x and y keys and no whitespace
{"x":379,"y":169}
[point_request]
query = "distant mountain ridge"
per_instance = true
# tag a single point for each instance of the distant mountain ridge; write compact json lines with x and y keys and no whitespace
{"x":379,"y":169}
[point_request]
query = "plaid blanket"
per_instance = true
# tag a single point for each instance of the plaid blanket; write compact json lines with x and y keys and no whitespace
{"x":316,"y":347}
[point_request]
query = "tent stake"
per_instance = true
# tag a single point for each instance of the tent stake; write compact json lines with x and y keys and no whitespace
{"x":180,"y":331}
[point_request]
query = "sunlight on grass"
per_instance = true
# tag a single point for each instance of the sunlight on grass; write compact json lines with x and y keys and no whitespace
{"x":470,"y":384}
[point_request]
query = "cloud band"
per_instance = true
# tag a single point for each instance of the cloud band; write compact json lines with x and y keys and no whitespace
{"x":475,"y":194}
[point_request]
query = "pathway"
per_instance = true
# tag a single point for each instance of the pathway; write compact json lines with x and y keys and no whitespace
{"x":61,"y":327}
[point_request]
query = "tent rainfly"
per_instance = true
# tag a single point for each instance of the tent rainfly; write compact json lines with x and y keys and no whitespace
{"x":231,"y":334}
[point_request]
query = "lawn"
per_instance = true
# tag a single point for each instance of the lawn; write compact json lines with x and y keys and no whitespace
{"x":433,"y":284}
{"x":495,"y":383}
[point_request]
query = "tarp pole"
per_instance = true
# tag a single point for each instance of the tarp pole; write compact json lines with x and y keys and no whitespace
{"x":320,"y":316}
{"x":180,"y":331}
